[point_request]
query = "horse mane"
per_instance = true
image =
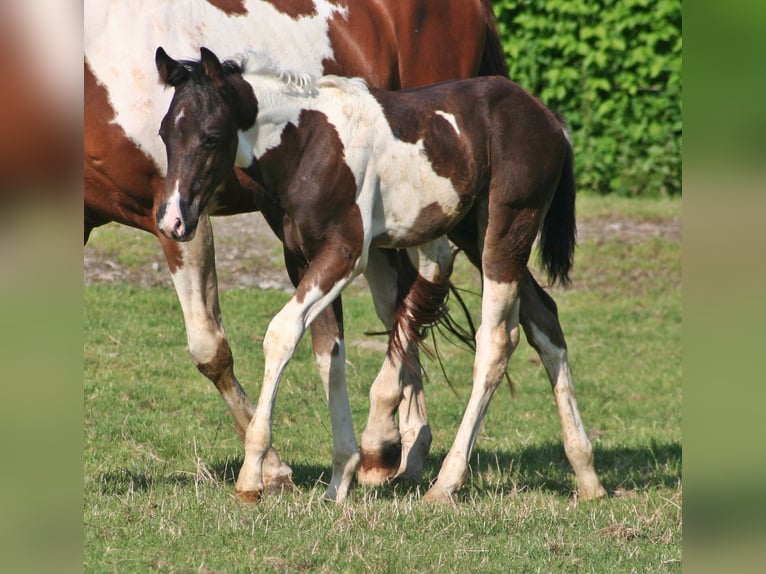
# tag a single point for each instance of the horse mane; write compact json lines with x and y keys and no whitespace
{"x":295,"y":82}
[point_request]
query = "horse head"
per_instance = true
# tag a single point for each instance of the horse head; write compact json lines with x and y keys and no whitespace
{"x":211,"y":104}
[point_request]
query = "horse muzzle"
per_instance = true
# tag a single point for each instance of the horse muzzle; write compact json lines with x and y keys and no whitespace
{"x":176,"y":221}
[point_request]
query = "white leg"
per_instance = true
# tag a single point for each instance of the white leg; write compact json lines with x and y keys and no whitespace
{"x":543,"y":330}
{"x":495,"y":341}
{"x":192,"y":266}
{"x":330,"y":354}
{"x":282,"y":336}
{"x":434,"y":264}
{"x":380,"y":440}
{"x":386,"y":451}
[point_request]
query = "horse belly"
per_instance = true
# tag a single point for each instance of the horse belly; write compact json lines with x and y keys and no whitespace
{"x":414,"y":213}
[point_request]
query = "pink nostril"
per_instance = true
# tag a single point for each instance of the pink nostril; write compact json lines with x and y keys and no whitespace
{"x":178,"y":226}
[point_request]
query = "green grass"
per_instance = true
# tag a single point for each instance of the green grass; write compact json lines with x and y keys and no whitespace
{"x":161,"y":454}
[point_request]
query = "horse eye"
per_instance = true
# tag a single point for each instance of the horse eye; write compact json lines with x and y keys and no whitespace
{"x":211,"y":140}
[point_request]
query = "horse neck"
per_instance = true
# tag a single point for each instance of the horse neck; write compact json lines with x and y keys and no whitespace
{"x":278,"y":105}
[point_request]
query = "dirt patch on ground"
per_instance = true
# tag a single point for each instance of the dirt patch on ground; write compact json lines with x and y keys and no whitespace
{"x":248,"y":254}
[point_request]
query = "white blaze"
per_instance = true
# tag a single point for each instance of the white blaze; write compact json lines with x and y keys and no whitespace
{"x":172,"y":210}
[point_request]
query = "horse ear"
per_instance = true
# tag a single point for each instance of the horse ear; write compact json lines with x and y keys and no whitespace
{"x":212,"y":66}
{"x":166,"y":66}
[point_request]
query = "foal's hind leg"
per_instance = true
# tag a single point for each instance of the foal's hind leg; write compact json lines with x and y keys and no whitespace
{"x":539,"y":318}
{"x":192,"y":266}
{"x":399,"y":383}
{"x":496,"y":339}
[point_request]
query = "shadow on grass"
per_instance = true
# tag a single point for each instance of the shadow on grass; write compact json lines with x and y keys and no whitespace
{"x":540,"y":467}
{"x":546,"y":467}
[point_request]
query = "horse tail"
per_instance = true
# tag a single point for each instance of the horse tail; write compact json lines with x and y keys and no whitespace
{"x":493,"y":58}
{"x":420,"y":305}
{"x":558,"y":235}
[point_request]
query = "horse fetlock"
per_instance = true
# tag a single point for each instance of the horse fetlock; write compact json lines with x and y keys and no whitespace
{"x":380,"y":465}
{"x":249,"y":495}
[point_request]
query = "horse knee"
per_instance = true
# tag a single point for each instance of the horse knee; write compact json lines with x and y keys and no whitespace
{"x":213,"y":357}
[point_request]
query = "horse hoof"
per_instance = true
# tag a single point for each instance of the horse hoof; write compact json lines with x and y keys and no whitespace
{"x":438,"y":495}
{"x":592,"y":493}
{"x":376,"y":468}
{"x":278,"y":484}
{"x":250,"y":495}
{"x":407,"y":479}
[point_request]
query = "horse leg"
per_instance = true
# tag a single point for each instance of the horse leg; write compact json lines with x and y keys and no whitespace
{"x":386,"y":451}
{"x":539,"y":318}
{"x":422,"y":304}
{"x":282,"y":336}
{"x":496,"y":339}
{"x":381,"y":445}
{"x":192,"y":266}
{"x":330,"y":355}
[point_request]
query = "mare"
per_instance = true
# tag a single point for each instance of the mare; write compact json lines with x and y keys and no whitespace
{"x":391,"y":43}
{"x":353,"y":169}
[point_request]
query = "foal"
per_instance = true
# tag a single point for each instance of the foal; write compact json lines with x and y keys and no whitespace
{"x":350,"y":168}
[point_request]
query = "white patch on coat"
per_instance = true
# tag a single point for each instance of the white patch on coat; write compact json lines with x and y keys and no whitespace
{"x":121,"y":36}
{"x":450,"y":118}
{"x":397,"y":181}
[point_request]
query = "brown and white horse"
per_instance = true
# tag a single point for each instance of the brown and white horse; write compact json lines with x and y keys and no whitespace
{"x":353,"y":169}
{"x":391,"y":43}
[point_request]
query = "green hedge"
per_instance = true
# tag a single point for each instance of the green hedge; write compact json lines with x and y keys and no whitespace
{"x":612,"y":68}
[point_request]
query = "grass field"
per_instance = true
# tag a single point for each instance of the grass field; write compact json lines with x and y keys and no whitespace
{"x":161,"y":454}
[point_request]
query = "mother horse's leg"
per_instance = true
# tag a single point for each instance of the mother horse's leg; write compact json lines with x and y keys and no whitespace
{"x":539,"y":318}
{"x":282,"y":336}
{"x":192,"y":267}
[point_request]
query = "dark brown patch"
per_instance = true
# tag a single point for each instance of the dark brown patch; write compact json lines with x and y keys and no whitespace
{"x":307,"y":175}
{"x":420,"y":304}
{"x":230,"y":7}
{"x":538,"y":309}
{"x":294,"y":8}
{"x":508,"y":242}
{"x":221,"y":362}
{"x":386,"y":459}
{"x":120,"y":181}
